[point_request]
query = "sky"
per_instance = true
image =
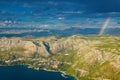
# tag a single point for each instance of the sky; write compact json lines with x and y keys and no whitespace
{"x":59,"y":14}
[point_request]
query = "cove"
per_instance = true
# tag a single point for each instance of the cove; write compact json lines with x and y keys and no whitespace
{"x":24,"y":73}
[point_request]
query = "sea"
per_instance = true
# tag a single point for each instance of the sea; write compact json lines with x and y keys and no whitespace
{"x":24,"y":73}
{"x":53,"y":32}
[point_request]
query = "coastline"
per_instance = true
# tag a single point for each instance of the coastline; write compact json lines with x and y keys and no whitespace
{"x":62,"y":73}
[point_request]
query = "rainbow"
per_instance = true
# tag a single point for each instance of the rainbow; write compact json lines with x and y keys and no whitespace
{"x":105,"y":24}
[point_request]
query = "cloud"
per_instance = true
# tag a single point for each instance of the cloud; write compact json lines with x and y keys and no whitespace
{"x":102,"y":6}
{"x":99,"y":6}
{"x":69,"y":6}
{"x":61,"y":13}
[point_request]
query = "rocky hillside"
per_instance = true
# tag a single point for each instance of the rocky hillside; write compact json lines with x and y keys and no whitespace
{"x":85,"y":57}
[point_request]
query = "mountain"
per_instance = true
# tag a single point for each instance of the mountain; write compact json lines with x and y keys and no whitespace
{"x":84,"y":57}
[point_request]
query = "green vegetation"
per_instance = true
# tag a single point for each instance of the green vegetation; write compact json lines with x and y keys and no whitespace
{"x":11,"y":53}
{"x":84,"y":57}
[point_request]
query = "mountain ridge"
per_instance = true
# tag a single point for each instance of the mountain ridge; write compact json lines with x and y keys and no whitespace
{"x":84,"y":57}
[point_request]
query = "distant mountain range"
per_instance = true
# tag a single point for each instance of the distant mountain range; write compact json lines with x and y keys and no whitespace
{"x":20,"y":32}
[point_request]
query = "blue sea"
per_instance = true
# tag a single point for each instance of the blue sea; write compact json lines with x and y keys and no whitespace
{"x":53,"y":32}
{"x":24,"y":73}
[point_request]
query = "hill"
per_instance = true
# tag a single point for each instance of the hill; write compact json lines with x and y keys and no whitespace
{"x":84,"y":57}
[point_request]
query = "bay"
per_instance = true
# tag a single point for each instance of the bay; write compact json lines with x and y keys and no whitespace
{"x":24,"y":73}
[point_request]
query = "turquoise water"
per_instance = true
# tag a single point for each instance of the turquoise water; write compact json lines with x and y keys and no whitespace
{"x":24,"y":73}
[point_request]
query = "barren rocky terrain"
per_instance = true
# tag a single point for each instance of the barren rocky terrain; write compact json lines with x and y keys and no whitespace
{"x":84,"y":57}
